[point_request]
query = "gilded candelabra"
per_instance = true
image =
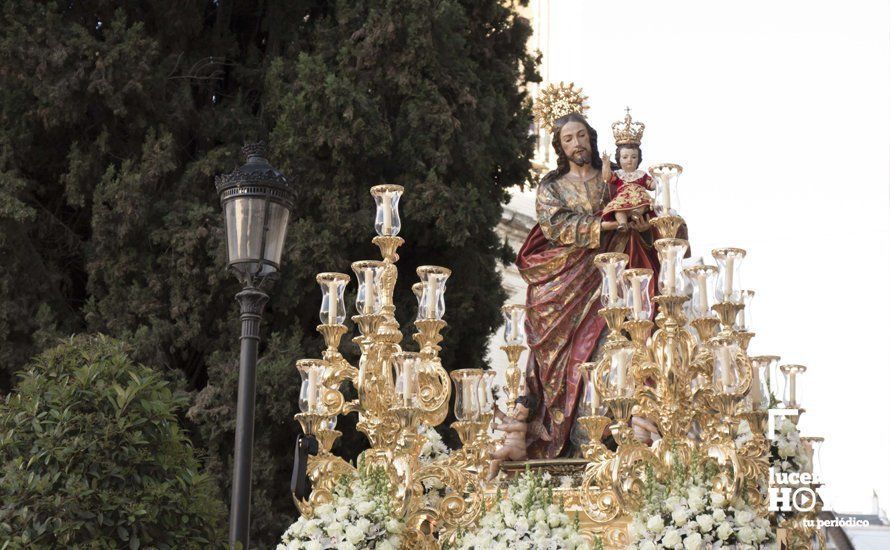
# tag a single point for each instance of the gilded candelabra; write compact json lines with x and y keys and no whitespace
{"x":398,"y":390}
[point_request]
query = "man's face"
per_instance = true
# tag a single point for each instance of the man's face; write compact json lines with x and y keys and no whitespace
{"x":576,"y":142}
{"x":629,"y":159}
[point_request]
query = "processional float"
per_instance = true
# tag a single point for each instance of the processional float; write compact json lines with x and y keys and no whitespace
{"x":688,"y":371}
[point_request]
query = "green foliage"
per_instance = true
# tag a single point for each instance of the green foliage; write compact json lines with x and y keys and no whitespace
{"x":115,"y":117}
{"x":93,"y":455}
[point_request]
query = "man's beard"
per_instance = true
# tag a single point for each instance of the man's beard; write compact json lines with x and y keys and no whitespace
{"x":580,"y":157}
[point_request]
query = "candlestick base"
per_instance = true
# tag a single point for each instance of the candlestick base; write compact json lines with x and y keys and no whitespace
{"x":727,"y":311}
{"x":594,"y":426}
{"x":326,"y":439}
{"x":744,"y":338}
{"x":388,"y":247}
{"x":332,"y":335}
{"x":368,"y":323}
{"x":670,"y":309}
{"x":428,"y":336}
{"x":667,"y":226}
{"x":639,"y":332}
{"x":621,"y":407}
{"x":466,"y":431}
{"x":614,"y":317}
{"x":705,"y":327}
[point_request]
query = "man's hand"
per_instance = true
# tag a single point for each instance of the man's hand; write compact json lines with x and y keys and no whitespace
{"x":639,"y":223}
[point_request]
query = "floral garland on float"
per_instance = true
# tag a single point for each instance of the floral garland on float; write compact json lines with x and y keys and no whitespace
{"x":359,"y":516}
{"x":529,"y":518}
{"x":687,"y":511}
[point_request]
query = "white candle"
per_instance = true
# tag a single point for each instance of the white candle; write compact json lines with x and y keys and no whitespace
{"x":742,"y":319}
{"x":638,"y":297}
{"x":613,"y":283}
{"x":621,"y":366}
{"x":792,"y":388}
{"x":726,"y":359}
{"x":408,"y":374}
{"x":313,"y":389}
{"x":595,"y":396}
{"x":671,"y":273}
{"x":387,"y":212}
{"x":332,"y":302}
{"x":666,"y":194}
{"x":369,"y":291}
{"x":727,"y":279}
{"x":755,"y":388}
{"x":701,"y":282}
{"x":514,"y":318}
{"x":432,"y":295}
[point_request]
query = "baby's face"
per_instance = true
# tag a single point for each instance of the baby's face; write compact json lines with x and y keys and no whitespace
{"x":520,"y":412}
{"x":629,"y":159}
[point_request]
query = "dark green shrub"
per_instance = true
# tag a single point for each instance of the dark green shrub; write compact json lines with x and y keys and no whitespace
{"x":93,"y":456}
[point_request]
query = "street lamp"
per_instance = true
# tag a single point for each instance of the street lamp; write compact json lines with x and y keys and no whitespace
{"x":256,"y":200}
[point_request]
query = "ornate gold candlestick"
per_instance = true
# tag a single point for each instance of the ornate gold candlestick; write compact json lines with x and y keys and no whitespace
{"x":667,"y":226}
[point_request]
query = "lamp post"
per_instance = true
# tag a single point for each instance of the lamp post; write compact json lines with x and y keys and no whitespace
{"x":256,"y":200}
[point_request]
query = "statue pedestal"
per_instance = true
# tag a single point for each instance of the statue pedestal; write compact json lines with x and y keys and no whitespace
{"x":597,"y":510}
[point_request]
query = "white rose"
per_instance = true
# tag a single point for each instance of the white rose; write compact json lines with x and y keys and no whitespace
{"x":717,"y":499}
{"x":655,"y":524}
{"x":636,"y":530}
{"x":293,"y":545}
{"x":364,"y":508}
{"x":522,"y":525}
{"x":671,"y":538}
{"x":692,"y":542}
{"x":746,"y":534}
{"x":385,"y":545}
{"x":540,"y":515}
{"x":719,"y":515}
{"x":696,"y":492}
{"x":313,"y":545}
{"x":647,"y":545}
{"x":696,"y":503}
{"x":744,"y":517}
{"x":705,"y":521}
{"x":672,"y":502}
{"x":354,"y":534}
{"x":680,"y":516}
{"x":342,"y":513}
{"x":334,"y":529}
{"x":392,"y":526}
{"x":724,"y":530}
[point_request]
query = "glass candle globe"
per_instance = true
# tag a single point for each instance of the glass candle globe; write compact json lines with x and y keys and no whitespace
{"x":701,"y":280}
{"x":791,"y":373}
{"x":591,"y":404}
{"x":405,"y":366}
{"x":486,"y":392}
{"x":814,"y":453}
{"x":514,"y":324}
{"x":432,"y":300}
{"x":611,"y":266}
{"x":620,"y":380}
{"x":312,"y":382}
{"x":368,"y":299}
{"x":725,"y":377}
{"x":743,"y":319}
{"x":333,"y":309}
{"x":466,"y":393}
{"x":386,"y":197}
{"x":667,"y":200}
{"x":636,"y":291}
{"x":670,"y":254}
{"x":759,"y":393}
{"x":774,"y":377}
{"x":729,"y":265}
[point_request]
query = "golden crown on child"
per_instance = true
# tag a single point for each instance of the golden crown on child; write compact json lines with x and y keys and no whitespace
{"x":630,"y":133}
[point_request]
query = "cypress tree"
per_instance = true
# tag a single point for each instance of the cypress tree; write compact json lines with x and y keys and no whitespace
{"x":116,"y":116}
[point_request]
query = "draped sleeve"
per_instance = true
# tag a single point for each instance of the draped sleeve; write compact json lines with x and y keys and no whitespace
{"x":563,"y":220}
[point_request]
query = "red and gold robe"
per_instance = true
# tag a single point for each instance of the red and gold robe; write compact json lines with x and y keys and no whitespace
{"x":630,"y":193}
{"x":563,"y":298}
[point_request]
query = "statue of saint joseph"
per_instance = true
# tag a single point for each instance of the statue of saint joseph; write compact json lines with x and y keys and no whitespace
{"x":563,"y":327}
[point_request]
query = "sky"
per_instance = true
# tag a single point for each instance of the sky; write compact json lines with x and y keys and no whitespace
{"x":778,"y":112}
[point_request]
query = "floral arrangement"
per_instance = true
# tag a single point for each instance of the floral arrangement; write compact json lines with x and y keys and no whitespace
{"x":787,"y":451}
{"x":433,"y":449}
{"x":683,"y":513}
{"x":358,"y":517}
{"x":527,"y":519}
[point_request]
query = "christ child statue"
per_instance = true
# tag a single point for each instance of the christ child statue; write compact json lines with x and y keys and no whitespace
{"x":514,"y":425}
{"x":631,"y":199}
